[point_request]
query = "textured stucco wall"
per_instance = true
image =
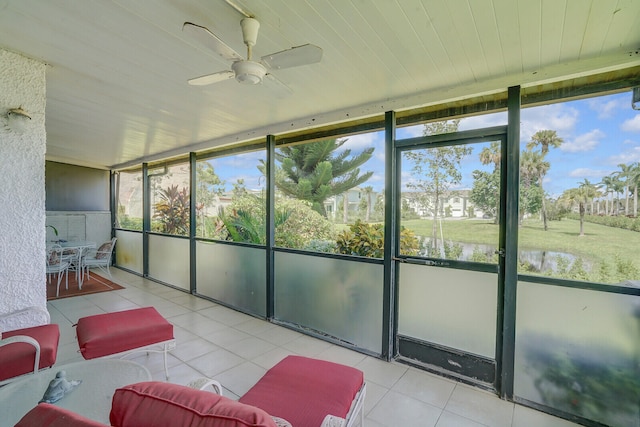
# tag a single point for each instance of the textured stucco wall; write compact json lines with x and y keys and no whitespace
{"x":22,"y":192}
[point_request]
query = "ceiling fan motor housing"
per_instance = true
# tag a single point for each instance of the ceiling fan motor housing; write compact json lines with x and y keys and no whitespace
{"x":250,"y":29}
{"x":249,"y":72}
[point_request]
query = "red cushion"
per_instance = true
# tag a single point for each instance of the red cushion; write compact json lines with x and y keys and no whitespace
{"x":18,"y":358}
{"x":303,"y":390}
{"x":111,"y":333}
{"x":160,"y":404}
{"x":47,"y":415}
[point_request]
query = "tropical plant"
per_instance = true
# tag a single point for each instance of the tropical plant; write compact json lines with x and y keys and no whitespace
{"x":544,"y":139}
{"x":172,"y":211}
{"x":318,"y":170}
{"x":244,"y":226}
{"x":368,"y":240}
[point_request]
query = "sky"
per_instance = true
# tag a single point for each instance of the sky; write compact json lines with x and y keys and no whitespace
{"x":598,"y":134}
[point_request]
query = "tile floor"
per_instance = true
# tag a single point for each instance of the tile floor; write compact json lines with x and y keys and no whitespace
{"x":237,"y":349}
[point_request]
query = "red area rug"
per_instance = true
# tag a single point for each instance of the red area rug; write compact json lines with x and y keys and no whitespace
{"x":92,"y":285}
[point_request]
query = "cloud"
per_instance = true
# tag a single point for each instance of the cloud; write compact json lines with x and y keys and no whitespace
{"x":484,"y":121}
{"x":359,"y":142}
{"x":409,"y":131}
{"x":631,"y":125}
{"x":585,"y":142}
{"x":588,"y":173}
{"x":626,"y":157}
{"x":605,"y":110}
{"x":558,"y":117}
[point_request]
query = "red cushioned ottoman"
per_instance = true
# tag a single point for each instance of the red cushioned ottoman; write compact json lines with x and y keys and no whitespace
{"x":18,"y":358}
{"x":303,"y":390}
{"x":112,"y":333}
{"x":124,"y":332}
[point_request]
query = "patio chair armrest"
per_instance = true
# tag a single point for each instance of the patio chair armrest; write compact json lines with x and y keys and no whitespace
{"x":203,"y":382}
{"x":27,"y":340}
{"x":333,"y":421}
{"x":20,"y":338}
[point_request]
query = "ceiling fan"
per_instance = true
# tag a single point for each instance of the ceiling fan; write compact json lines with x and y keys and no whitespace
{"x":248,"y":71}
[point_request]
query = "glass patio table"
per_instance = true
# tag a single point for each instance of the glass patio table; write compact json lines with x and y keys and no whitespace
{"x":92,"y":398}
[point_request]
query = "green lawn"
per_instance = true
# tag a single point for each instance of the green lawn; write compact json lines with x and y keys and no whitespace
{"x":599,"y":244}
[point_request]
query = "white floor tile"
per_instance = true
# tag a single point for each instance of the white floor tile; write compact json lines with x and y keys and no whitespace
{"x":425,"y":387}
{"x":480,"y":406}
{"x":396,"y":409}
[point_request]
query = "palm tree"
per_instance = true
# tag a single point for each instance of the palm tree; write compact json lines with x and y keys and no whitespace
{"x":532,"y":168}
{"x":488,"y":155}
{"x":545,"y":139}
{"x":582,"y":195}
{"x":608,"y":183}
{"x":634,"y":179}
{"x":625,"y":175}
{"x":368,"y":191}
{"x":618,"y":187}
{"x":491,"y":154}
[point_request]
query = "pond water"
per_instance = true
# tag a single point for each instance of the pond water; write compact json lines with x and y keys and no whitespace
{"x":539,"y":261}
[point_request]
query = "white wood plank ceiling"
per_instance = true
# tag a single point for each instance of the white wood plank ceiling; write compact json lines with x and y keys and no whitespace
{"x":116,"y":81}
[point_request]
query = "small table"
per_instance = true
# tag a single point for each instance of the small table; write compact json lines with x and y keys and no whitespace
{"x":92,"y":399}
{"x":81,"y":246}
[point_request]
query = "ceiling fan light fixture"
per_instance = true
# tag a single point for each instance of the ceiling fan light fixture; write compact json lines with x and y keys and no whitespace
{"x":249,"y":72}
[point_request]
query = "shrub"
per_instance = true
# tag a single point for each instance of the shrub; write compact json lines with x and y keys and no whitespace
{"x":368,"y":240}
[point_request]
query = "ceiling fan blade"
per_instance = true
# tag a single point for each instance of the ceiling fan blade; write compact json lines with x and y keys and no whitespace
{"x":211,"y":78}
{"x":273,"y":82}
{"x":213,"y":42}
{"x":296,"y":56}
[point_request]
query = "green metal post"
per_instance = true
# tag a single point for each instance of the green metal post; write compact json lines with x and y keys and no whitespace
{"x":270,"y":176}
{"x":146,"y":219}
{"x":512,"y":165}
{"x":192,"y":222}
{"x":389,"y":308}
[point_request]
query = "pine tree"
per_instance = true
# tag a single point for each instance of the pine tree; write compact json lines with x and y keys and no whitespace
{"x":315,"y":171}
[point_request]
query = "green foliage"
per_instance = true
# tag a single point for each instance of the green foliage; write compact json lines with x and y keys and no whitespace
{"x":130,"y":223}
{"x":368,"y":240}
{"x":326,"y":246}
{"x":479,"y":255}
{"x":303,"y":225}
{"x":557,"y":210}
{"x":485,"y":193}
{"x":245,"y":226}
{"x":172,"y":211}
{"x":316,"y":171}
{"x":362,"y":239}
{"x":55,"y":230}
{"x":618,"y":221}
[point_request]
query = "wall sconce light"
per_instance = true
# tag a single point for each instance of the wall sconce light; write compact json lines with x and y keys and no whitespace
{"x":635,"y":98}
{"x":17,"y":119}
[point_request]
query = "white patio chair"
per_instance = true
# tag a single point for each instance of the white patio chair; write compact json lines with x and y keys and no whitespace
{"x":73,"y":257}
{"x":101,"y":258}
{"x":57,"y":265}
